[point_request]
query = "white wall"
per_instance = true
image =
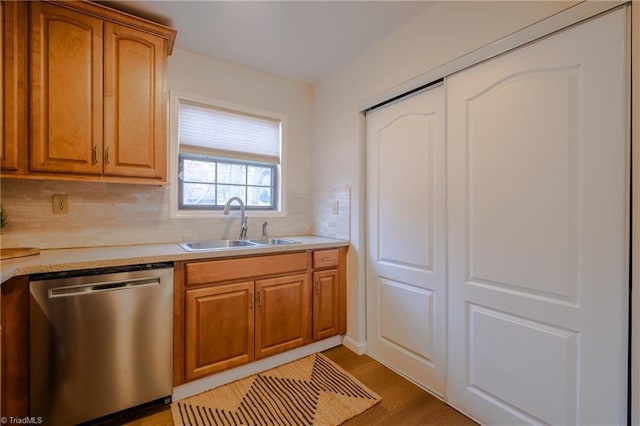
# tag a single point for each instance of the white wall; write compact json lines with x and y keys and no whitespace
{"x":443,"y":32}
{"x":112,"y":214}
{"x":216,"y":79}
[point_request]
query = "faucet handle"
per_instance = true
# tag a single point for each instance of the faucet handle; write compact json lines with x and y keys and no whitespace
{"x":264,"y":230}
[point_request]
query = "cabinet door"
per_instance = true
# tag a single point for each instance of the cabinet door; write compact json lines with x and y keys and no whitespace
{"x":12,"y":82}
{"x":14,"y":305}
{"x":219,"y":328}
{"x":3,"y":26}
{"x":326,"y":302}
{"x":283,"y":314}
{"x":66,"y":90}
{"x":135,"y":107}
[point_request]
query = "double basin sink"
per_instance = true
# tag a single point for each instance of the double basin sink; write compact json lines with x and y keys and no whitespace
{"x":227,"y":244}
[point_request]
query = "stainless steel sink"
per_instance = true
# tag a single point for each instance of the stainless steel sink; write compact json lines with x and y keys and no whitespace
{"x":229,"y":244}
{"x":274,"y":241}
{"x":216,"y":245}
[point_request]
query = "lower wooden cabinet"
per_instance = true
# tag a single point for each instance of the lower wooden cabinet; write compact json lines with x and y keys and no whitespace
{"x":283,"y":314}
{"x":14,"y":392}
{"x":233,"y":311}
{"x":219,"y":328}
{"x":329,"y":292}
{"x":326,"y":304}
{"x":232,"y":324}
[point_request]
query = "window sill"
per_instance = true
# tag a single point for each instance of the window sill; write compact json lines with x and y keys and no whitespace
{"x":218,"y":214}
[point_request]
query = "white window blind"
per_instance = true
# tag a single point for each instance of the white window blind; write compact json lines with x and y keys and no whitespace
{"x":230,"y":134}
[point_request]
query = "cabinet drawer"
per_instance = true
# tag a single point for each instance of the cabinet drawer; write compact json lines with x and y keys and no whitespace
{"x":231,"y":269}
{"x":326,"y":258}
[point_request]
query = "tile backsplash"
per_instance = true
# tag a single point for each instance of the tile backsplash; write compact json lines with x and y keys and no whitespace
{"x":332,"y":212}
{"x":104,"y":214}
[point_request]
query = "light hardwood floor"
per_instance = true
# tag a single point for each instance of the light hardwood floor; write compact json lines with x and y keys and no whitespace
{"x":403,"y":403}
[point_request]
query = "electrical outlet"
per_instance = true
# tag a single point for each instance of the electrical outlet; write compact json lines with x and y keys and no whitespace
{"x":60,"y":203}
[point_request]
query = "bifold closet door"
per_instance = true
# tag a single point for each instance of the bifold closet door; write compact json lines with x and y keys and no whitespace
{"x":406,"y":298}
{"x":538,"y":226}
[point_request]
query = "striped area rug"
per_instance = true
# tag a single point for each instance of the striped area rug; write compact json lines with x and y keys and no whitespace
{"x":309,"y":391}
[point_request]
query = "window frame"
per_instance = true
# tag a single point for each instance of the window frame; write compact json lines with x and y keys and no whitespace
{"x":174,"y":160}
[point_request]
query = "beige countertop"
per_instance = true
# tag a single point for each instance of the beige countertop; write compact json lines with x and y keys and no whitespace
{"x":56,"y":260}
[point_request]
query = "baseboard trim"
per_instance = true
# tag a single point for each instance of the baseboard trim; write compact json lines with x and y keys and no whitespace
{"x":204,"y":384}
{"x":359,"y":348}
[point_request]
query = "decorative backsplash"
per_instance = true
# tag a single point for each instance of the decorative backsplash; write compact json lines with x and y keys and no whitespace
{"x":102,"y":214}
{"x":332,"y":212}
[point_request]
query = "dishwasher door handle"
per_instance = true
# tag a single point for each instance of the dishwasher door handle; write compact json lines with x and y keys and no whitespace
{"x":101,"y":287}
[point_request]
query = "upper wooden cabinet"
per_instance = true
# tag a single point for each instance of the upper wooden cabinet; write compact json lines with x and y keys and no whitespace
{"x":13,"y":73}
{"x":134,"y":100}
{"x":66,"y":90}
{"x":97,"y":91}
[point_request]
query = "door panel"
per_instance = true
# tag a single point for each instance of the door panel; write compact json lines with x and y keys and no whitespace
{"x":537,"y":181}
{"x":500,"y":364}
{"x":404,"y":149}
{"x":509,"y":192}
{"x":406,"y":297}
{"x":402,"y":307}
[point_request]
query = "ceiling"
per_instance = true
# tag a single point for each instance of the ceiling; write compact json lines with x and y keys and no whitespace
{"x":301,"y":40}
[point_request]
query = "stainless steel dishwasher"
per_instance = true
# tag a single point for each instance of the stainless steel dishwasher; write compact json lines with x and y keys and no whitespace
{"x":101,"y":341}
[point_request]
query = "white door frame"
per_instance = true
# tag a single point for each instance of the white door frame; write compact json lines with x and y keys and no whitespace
{"x":635,"y":214}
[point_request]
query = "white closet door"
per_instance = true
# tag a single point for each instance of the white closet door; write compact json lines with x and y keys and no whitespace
{"x":538,"y":202}
{"x":406,"y":295}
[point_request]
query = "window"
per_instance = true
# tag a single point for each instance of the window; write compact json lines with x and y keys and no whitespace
{"x":207,"y":183}
{"x":227,"y":152}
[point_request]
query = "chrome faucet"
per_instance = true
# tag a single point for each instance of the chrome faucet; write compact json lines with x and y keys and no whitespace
{"x":243,"y":216}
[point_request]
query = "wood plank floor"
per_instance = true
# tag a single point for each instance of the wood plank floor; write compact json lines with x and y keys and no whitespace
{"x":403,"y":403}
